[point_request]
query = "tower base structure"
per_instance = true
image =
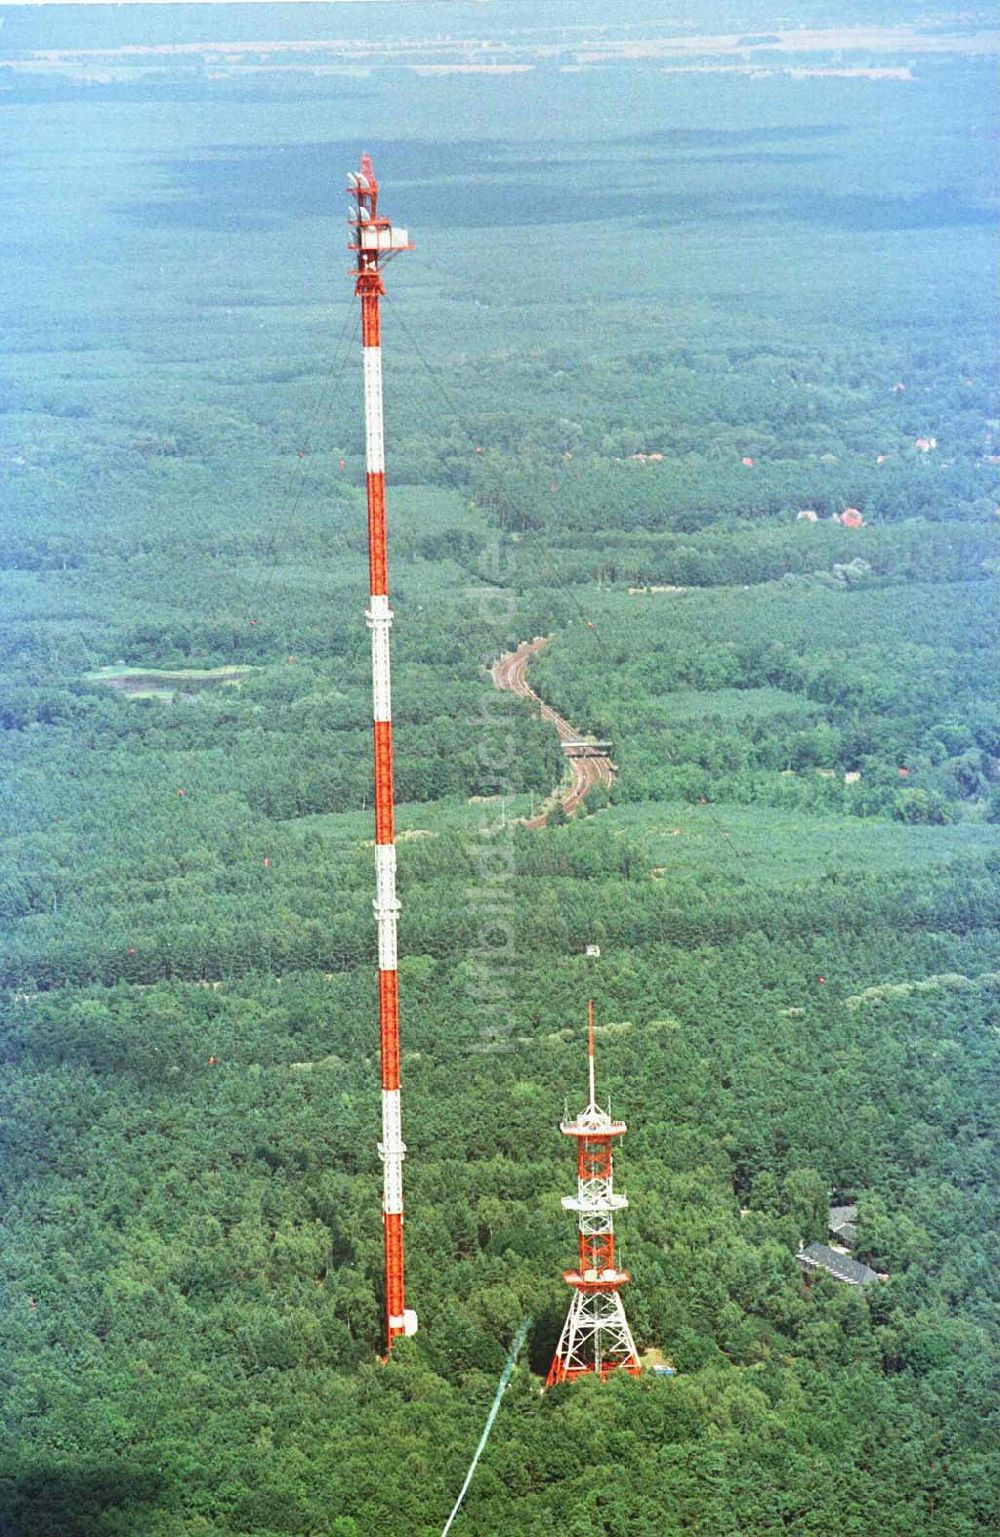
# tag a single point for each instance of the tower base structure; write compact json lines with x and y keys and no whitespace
{"x":595,"y":1337}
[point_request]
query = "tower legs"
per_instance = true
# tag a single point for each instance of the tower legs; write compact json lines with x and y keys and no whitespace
{"x":595,"y":1338}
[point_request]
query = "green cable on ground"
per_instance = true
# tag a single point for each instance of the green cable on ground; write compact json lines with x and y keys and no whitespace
{"x":504,"y":1379}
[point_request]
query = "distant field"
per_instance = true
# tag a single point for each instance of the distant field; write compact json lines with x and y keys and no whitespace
{"x":761,"y":845}
{"x":731,"y":703}
{"x":155,"y":682}
{"x":573,"y":50}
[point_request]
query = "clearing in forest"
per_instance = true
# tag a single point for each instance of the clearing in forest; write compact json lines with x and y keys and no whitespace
{"x":155,"y":683}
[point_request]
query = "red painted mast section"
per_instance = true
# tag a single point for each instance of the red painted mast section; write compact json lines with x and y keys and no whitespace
{"x":374,"y":241}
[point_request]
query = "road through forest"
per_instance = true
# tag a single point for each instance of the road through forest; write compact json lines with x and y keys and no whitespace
{"x":511,"y":672}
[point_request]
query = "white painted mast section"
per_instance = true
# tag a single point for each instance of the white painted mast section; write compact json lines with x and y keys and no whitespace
{"x":374,"y":431}
{"x":386,"y":905}
{"x":590,"y":1054}
{"x":379,"y":617}
{"x":392,"y":1151}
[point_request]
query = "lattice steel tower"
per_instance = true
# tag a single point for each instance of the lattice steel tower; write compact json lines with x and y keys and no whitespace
{"x":374,"y":241}
{"x":596,"y":1336}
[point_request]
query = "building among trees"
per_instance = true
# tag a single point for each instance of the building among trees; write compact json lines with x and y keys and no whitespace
{"x":819,"y":1256}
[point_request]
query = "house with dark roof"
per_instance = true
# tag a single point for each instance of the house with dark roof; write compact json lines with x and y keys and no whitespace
{"x":820,"y":1257}
{"x":842,"y":1224}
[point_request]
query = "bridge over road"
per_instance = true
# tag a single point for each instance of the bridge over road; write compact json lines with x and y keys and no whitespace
{"x":589,"y":762}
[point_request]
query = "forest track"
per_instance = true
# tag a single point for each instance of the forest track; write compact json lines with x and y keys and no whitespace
{"x":510,"y":672}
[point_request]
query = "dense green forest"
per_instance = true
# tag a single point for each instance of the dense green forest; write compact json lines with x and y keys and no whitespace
{"x":654,"y":315}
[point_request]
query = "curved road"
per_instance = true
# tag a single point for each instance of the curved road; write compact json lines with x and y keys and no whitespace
{"x":511,"y":672}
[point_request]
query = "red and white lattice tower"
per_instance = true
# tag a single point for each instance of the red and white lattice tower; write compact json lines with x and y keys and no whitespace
{"x":596,"y":1336}
{"x":374,"y":240}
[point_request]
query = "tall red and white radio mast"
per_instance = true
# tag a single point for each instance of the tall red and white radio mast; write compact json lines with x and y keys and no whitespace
{"x":374,"y":241}
{"x":596,"y":1336}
